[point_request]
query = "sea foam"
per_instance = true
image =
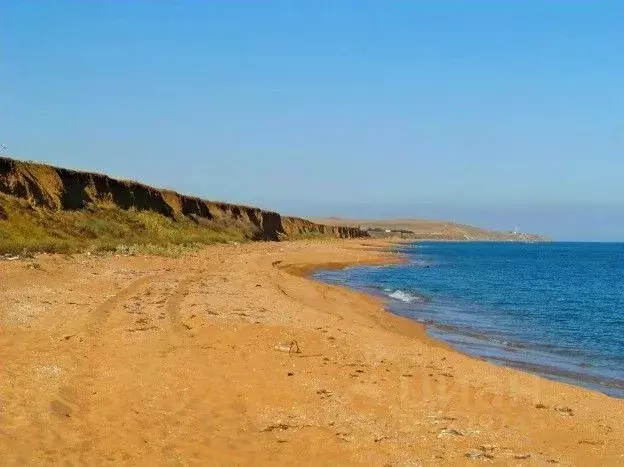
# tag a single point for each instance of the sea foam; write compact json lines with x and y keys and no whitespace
{"x":403,"y":296}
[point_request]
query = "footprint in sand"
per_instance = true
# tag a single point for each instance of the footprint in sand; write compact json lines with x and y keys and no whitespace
{"x":60,"y":409}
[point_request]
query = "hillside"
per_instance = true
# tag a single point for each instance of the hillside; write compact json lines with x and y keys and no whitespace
{"x":428,"y":229}
{"x":45,"y":208}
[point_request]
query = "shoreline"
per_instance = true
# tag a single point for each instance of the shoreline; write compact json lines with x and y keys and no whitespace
{"x":401,"y":324}
{"x":448,"y":334}
{"x":420,"y":330}
{"x":152,"y":360}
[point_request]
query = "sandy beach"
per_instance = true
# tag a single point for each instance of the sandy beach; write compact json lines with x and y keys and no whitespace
{"x":231,"y":355}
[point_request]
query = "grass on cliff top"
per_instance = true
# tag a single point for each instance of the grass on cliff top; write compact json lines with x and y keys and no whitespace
{"x":25,"y":230}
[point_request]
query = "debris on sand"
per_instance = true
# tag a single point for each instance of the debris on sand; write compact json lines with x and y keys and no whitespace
{"x":475,"y":454}
{"x":565,"y":411}
{"x":277,"y":426}
{"x":344,"y":436}
{"x":324,"y":393}
{"x":488,"y":447}
{"x":9,"y":257}
{"x":450,"y":432}
{"x":290,"y":347}
{"x":591,"y":443}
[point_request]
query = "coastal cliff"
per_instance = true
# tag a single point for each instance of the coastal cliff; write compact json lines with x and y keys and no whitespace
{"x":52,"y":189}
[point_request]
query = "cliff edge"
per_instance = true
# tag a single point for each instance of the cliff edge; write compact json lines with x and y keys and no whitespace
{"x":53,"y":190}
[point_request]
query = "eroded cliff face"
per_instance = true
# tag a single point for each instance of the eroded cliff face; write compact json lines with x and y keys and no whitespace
{"x":56,"y":188}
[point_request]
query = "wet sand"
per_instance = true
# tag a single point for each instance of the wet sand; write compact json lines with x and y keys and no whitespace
{"x":149,"y":360}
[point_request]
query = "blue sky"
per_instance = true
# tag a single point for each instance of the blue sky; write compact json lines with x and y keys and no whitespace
{"x":496,"y":113}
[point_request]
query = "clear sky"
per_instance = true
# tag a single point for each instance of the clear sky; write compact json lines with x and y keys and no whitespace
{"x":498,"y":113}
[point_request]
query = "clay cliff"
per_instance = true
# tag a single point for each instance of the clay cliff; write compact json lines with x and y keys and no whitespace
{"x":58,"y":189}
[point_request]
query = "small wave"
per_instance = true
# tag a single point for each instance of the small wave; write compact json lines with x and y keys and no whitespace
{"x":405,"y":296}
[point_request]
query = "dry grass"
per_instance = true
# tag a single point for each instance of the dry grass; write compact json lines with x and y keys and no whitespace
{"x":306,"y":236}
{"x":24,"y":229}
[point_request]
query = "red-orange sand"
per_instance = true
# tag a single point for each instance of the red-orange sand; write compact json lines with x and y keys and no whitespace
{"x":151,"y":361}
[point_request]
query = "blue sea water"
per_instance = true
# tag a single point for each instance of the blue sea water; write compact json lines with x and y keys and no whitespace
{"x":556,"y":309}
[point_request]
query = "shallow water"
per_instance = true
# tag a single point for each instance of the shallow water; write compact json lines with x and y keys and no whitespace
{"x":556,"y":309}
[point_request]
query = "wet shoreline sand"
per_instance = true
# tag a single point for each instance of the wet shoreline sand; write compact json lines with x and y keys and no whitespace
{"x":147,"y":360}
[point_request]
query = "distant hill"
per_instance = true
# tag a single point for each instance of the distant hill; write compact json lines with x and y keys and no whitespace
{"x":427,"y":229}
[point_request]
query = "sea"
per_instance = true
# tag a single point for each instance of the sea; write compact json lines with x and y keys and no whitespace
{"x":555,"y":309}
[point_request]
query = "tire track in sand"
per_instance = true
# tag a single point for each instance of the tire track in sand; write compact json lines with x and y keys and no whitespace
{"x":67,"y":401}
{"x":172,"y":307}
{"x":72,"y":400}
{"x":100,"y":315}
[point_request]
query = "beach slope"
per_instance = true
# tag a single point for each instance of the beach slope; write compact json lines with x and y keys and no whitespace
{"x":230,"y":355}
